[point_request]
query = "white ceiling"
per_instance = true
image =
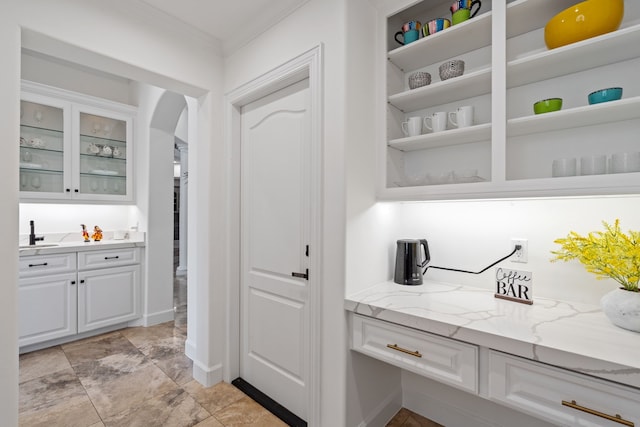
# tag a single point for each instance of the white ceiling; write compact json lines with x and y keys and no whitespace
{"x":232,"y":22}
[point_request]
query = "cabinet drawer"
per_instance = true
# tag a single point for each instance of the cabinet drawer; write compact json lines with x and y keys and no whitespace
{"x":40,"y":265}
{"x":443,"y":359}
{"x":108,"y":258}
{"x":540,"y":390}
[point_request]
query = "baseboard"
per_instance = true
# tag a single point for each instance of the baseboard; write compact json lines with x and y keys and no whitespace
{"x":386,"y":410}
{"x":158,"y":317}
{"x":205,"y":375}
{"x":190,"y":349}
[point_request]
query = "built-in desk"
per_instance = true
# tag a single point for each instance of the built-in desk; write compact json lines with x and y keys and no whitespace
{"x":575,"y":338}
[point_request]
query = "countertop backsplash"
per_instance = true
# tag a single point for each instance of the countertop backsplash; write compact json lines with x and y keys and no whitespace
{"x":76,"y":237}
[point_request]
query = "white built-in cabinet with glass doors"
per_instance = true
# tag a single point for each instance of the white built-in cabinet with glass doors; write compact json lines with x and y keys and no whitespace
{"x":74,"y":147}
{"x":508,"y":151}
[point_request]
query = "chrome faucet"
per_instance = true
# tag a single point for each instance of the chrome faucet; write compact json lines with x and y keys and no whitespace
{"x":32,"y":236}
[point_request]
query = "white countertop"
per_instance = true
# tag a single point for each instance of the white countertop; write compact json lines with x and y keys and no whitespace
{"x":71,"y":242}
{"x":575,"y":336}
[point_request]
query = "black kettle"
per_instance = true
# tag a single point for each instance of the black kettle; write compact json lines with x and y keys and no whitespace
{"x":410,"y":262}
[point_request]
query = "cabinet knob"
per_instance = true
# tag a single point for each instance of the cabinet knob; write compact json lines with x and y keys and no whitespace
{"x":82,"y":281}
{"x":73,"y":282}
{"x":76,"y":190}
{"x":68,"y":190}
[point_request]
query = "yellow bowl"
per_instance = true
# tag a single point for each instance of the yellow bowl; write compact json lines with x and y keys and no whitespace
{"x":584,"y":20}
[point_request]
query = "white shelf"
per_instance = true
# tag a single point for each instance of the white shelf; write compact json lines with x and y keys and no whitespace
{"x":528,"y":15}
{"x":455,"y":40}
{"x":595,"y":52}
{"x":454,"y":89}
{"x":441,"y":139}
{"x":623,"y":109}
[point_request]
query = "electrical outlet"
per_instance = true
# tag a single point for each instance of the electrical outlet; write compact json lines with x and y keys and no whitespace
{"x":521,"y":255}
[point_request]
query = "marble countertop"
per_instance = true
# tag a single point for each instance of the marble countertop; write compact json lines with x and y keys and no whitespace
{"x":72,"y":242}
{"x":575,"y":336}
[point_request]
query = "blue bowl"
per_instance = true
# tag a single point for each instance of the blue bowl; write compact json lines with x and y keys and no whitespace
{"x":605,"y":95}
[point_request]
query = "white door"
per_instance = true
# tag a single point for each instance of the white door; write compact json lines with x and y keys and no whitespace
{"x":275,"y":233}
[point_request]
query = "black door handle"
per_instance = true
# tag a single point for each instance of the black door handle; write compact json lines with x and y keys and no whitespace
{"x":304,"y":275}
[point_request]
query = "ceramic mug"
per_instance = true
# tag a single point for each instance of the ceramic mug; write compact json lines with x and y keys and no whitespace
{"x":461,"y":10}
{"x":407,"y":36}
{"x":413,"y":126}
{"x":462,"y":117}
{"x":434,"y":26}
{"x":436,"y":122}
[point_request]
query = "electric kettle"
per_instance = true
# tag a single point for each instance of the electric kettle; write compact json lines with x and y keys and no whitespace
{"x":410,"y":261}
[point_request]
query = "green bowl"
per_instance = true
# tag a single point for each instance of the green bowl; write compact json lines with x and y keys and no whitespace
{"x":547,"y":105}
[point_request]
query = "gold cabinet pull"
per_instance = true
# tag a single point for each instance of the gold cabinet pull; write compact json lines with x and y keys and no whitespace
{"x":404,"y":350}
{"x":617,"y":418}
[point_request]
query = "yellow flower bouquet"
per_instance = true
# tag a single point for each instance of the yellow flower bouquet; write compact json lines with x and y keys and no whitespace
{"x":608,"y":254}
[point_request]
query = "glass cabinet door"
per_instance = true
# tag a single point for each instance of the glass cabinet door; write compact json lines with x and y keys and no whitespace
{"x":102,"y":155}
{"x":42,"y":148}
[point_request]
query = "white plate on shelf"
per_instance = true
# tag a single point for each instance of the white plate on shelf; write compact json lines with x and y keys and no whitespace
{"x":25,"y":165}
{"x":103,"y":172}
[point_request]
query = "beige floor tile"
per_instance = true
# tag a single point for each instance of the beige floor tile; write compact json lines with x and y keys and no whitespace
{"x":119,"y":392}
{"x":77,"y":411}
{"x":214,"y":398}
{"x":174,"y":409}
{"x":141,"y":336}
{"x":210,"y":422}
{"x":49,"y":390}
{"x":44,"y":362}
{"x":399,"y":418}
{"x":94,"y":348}
{"x":178,"y":368}
{"x":246,"y":412}
{"x":406,"y":418}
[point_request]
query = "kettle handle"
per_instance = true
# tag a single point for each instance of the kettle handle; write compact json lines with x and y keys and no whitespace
{"x":427,"y":257}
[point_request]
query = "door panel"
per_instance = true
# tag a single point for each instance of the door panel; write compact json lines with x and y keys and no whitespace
{"x":275,"y":231}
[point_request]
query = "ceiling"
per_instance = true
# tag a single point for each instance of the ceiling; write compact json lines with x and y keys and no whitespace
{"x":232,"y":22}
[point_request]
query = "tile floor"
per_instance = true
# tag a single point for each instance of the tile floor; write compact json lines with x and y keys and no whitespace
{"x":137,"y":377}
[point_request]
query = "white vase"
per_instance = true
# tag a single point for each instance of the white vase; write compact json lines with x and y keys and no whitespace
{"x":622,"y":307}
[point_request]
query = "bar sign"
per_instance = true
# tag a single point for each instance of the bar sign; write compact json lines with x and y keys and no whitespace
{"x":514,"y":285}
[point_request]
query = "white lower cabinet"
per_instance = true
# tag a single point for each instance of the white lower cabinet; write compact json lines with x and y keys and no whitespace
{"x":46,"y":308}
{"x":108,"y":296}
{"x":443,"y":359}
{"x":61,"y":295}
{"x":560,"y":396}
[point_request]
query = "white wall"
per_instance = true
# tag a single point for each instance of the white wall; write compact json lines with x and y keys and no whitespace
{"x":137,"y":49}
{"x":472,"y":234}
{"x":50,"y":71}
{"x":317,"y":22}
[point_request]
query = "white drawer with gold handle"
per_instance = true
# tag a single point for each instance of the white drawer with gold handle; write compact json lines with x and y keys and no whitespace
{"x":561,"y":396}
{"x":443,"y":359}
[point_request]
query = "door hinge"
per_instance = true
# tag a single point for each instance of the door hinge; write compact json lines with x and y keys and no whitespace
{"x":306,"y":251}
{"x":304,"y":275}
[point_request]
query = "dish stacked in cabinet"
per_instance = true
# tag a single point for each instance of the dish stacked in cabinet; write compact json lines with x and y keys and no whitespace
{"x":453,"y":155}
{"x":508,"y":150}
{"x":579,"y":135}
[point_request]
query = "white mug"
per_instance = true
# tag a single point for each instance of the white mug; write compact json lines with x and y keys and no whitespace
{"x":563,"y":167}
{"x":462,"y":117}
{"x":625,"y":162}
{"x":593,"y":165}
{"x":437,"y":122}
{"x":413,"y":126}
